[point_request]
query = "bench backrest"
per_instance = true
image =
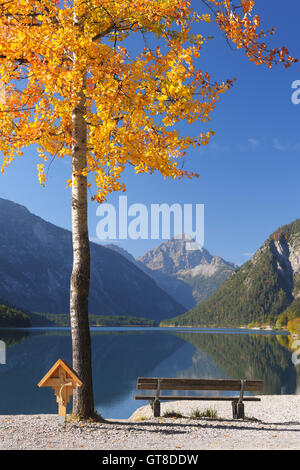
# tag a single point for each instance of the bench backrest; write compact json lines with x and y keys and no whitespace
{"x":164,"y":383}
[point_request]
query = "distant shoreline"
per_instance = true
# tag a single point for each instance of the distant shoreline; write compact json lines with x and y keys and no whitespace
{"x":225,"y":330}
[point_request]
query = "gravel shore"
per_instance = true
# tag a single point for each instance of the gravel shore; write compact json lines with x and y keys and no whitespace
{"x":273,"y":423}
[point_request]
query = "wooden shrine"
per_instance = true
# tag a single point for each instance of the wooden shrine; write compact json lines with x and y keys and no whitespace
{"x":63,"y":380}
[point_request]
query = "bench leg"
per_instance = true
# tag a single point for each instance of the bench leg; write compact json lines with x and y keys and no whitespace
{"x":234,"y":410}
{"x":240,"y":410}
{"x":155,"y":405}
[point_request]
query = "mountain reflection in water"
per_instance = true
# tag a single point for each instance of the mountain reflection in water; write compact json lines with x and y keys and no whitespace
{"x":121,"y":355}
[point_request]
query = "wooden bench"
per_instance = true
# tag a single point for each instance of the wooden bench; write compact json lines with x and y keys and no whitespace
{"x":159,"y":383}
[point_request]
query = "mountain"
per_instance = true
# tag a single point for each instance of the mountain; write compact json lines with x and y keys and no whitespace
{"x":263,"y":290}
{"x":189,"y":276}
{"x":36,"y":264}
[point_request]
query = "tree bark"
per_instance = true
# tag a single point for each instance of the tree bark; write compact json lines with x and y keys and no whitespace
{"x":83,"y":401}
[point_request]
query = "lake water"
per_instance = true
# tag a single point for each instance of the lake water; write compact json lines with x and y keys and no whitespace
{"x":120,"y":355}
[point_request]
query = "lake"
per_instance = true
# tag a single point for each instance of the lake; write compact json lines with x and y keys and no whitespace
{"x":120,"y":355}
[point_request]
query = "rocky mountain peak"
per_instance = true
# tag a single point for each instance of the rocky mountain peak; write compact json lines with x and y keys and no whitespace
{"x":174,"y":255}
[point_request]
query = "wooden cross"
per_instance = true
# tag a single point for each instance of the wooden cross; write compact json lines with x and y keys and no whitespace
{"x":62,"y":378}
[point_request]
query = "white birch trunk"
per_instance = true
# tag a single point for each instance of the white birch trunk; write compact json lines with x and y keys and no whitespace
{"x":83,"y":402}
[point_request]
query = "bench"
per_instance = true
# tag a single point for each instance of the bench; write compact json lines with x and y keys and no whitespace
{"x":159,"y":383}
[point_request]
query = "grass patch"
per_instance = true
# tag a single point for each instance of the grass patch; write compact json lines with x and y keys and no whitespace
{"x":95,"y":418}
{"x":141,"y":418}
{"x":207,"y":413}
{"x":172,"y":414}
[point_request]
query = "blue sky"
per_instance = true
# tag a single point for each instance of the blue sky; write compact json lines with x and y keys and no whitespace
{"x":249,"y":174}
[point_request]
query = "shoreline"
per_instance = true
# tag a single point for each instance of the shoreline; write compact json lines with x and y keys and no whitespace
{"x":156,"y":328}
{"x":273,"y":423}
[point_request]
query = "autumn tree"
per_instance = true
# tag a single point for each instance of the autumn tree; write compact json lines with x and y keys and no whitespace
{"x":72,"y":87}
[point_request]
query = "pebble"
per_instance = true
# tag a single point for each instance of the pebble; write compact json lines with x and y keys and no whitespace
{"x":273,"y":423}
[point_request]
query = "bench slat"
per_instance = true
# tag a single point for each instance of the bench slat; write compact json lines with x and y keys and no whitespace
{"x":172,"y":397}
{"x":150,"y":383}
